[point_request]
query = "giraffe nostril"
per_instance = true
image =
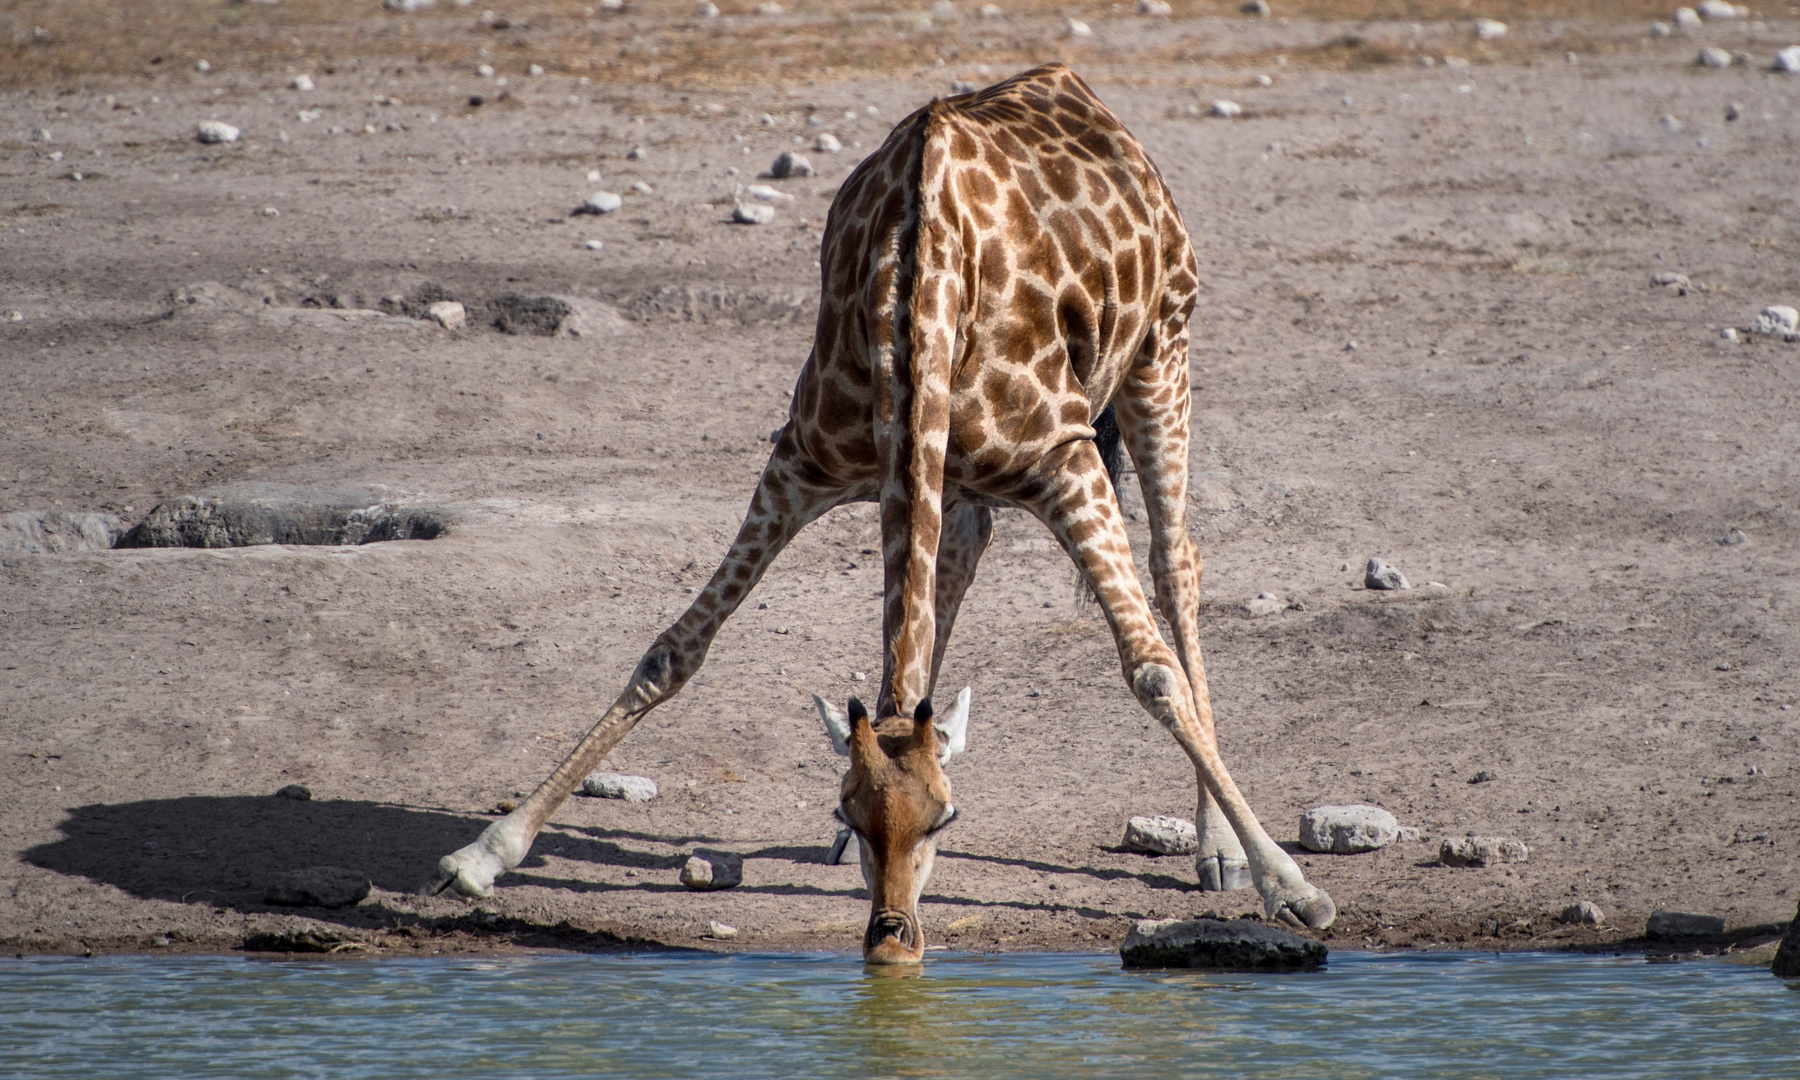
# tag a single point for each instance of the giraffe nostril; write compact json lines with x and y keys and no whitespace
{"x":889,"y":924}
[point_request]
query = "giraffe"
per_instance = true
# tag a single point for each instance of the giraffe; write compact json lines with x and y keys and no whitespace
{"x":1007,"y":273}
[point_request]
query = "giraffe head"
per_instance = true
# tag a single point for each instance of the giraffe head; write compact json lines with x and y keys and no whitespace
{"x":896,"y":799}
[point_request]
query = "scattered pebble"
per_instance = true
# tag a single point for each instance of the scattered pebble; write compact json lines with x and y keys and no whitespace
{"x":1667,"y":925}
{"x":1716,"y":10}
{"x":202,"y":66}
{"x":1734,"y":538}
{"x":1163,"y":834}
{"x":535,"y":69}
{"x":706,"y":9}
{"x":991,"y":11}
{"x":301,"y":82}
{"x":1264,"y":81}
{"x":790,"y":164}
{"x":769,"y":7}
{"x":41,"y":135}
{"x":706,"y":870}
{"x":1687,"y":18}
{"x":1584,"y":914}
{"x":767,"y":193}
{"x":1154,"y":9}
{"x":1075,"y":28}
{"x":217,"y":131}
{"x":1660,"y":29}
{"x":1227,"y":109}
{"x":1380,"y":574}
{"x":827,"y":143}
{"x":1258,"y":8}
{"x":14,"y":316}
{"x":307,"y":116}
{"x":595,"y":245}
{"x":1675,"y":283}
{"x":448,"y":314}
{"x":1713,"y":58}
{"x":1788,"y":60}
{"x":1347,"y":830}
{"x":1729,"y":333}
{"x":1490,"y":29}
{"x":408,"y":5}
{"x":636,"y":153}
{"x":1777,"y":319}
{"x":1265,"y":603}
{"x":600,"y":202}
{"x":296,"y":792}
{"x":612,"y":785}
{"x":1734,"y":111}
{"x":1671,"y":125}
{"x":485,"y":71}
{"x":719,"y":931}
{"x":753,"y":213}
{"x":1482,"y":851}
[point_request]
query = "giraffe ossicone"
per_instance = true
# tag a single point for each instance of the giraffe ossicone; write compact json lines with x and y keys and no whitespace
{"x":1005,"y":293}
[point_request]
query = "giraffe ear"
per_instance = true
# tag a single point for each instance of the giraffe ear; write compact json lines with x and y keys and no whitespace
{"x":953,"y":728}
{"x":837,"y":725}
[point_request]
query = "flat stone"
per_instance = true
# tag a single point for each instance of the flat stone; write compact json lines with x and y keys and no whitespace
{"x":45,"y":532}
{"x":1777,"y":319}
{"x":790,"y":164}
{"x":1264,"y":604}
{"x":1347,"y":830}
{"x":301,"y":82}
{"x":319,"y":886}
{"x":706,"y":870}
{"x":1218,"y":945}
{"x":1408,"y":834}
{"x":1380,"y":574}
{"x":612,"y":785}
{"x":1787,"y":954}
{"x":600,"y":202}
{"x":1227,"y":109}
{"x":1671,"y":925}
{"x":1715,"y":10}
{"x":719,"y":931}
{"x":1676,"y":283}
{"x":1713,"y":58}
{"x":1584,"y":914}
{"x":1490,"y":29}
{"x":753,"y":213}
{"x":448,"y":314}
{"x":1788,"y":60}
{"x":1163,"y":834}
{"x":296,"y":792}
{"x":1686,"y":18}
{"x":217,"y":131}
{"x":827,"y":143}
{"x":1154,"y":9}
{"x":1482,"y":851}
{"x":1075,"y":28}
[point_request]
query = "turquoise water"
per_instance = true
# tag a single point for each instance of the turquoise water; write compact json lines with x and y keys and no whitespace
{"x":1016,"y":1015}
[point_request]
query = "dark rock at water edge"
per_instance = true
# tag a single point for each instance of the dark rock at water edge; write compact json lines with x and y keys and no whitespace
{"x":1218,"y":945}
{"x":296,"y":792}
{"x":320,"y":886}
{"x":1671,"y":925}
{"x":1787,"y":955}
{"x":201,"y":521}
{"x":297,"y":939}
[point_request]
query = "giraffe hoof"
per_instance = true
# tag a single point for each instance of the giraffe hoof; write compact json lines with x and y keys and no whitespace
{"x":1219,"y":874}
{"x":1315,"y":912}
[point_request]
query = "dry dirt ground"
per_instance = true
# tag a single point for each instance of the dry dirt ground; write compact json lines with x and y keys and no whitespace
{"x":1523,"y":418}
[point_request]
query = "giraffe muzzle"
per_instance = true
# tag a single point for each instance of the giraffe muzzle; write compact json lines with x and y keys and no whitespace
{"x":896,"y":927}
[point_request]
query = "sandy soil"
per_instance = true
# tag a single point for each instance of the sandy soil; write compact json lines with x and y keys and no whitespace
{"x":1523,"y":418}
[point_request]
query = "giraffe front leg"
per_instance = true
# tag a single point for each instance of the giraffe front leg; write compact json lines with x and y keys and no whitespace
{"x":1092,"y":530}
{"x":785,"y":501}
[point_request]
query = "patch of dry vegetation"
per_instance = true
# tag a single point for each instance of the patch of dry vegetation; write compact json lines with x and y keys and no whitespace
{"x":52,"y":42}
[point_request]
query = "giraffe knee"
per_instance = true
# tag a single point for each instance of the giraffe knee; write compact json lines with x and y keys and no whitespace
{"x":1157,"y":689}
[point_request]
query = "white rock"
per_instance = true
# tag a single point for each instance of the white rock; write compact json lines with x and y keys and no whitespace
{"x":1687,"y":18}
{"x":600,"y":202}
{"x":709,"y":870}
{"x":1715,"y":10}
{"x":612,"y":785}
{"x":1713,"y":58}
{"x":1408,"y":834}
{"x":991,"y":11}
{"x":217,"y":131}
{"x":827,"y":143}
{"x":767,"y":193}
{"x":408,"y":5}
{"x":593,"y":176}
{"x":202,"y":66}
{"x":1163,"y":834}
{"x":1490,"y":29}
{"x":41,"y":135}
{"x":1777,"y":319}
{"x":944,"y":11}
{"x":719,"y":931}
{"x":1729,"y":333}
{"x":753,"y":214}
{"x":1155,"y":9}
{"x":535,"y":69}
{"x":595,"y":245}
{"x":1660,"y":29}
{"x":448,"y":314}
{"x":1379,"y":574}
{"x":1258,"y":8}
{"x":1788,"y":60}
{"x":640,"y":188}
{"x":1671,"y":125}
{"x":769,"y":7}
{"x":612,"y":5}
{"x":1584,"y":914}
{"x":1675,"y":283}
{"x":1227,"y":109}
{"x":790,"y":164}
{"x":1346,"y":830}
{"x":1078,"y":29}
{"x":1264,"y":604}
{"x":485,"y":71}
{"x":706,"y":9}
{"x":307,"y":116}
{"x":636,"y":153}
{"x":270,"y":211}
{"x":1264,"y":81}
{"x":301,"y":82}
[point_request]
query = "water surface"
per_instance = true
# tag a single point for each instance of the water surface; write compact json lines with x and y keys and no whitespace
{"x":1037,"y":1016}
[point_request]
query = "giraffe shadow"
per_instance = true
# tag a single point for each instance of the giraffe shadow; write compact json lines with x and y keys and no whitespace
{"x":1099,"y":873}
